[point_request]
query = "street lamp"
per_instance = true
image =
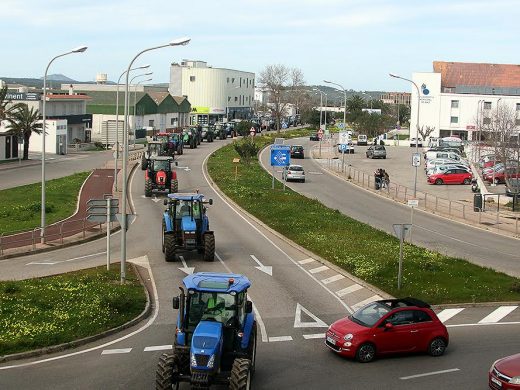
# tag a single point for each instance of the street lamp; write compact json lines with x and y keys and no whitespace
{"x":417,"y":129}
{"x":345,"y":108}
{"x":135,"y":87}
{"x":79,"y":49}
{"x":124,"y":221}
{"x":135,"y":104}
{"x":117,"y":121}
{"x":321,"y":107}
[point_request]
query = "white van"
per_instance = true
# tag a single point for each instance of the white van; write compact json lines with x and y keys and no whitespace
{"x":433,"y":154}
{"x":362,"y":139}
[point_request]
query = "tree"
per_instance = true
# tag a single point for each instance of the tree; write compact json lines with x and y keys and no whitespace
{"x":6,"y":108}
{"x":23,"y":122}
{"x":425,"y":131}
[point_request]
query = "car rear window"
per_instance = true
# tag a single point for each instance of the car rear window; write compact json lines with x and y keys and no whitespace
{"x":297,"y":148}
{"x":295,"y":168}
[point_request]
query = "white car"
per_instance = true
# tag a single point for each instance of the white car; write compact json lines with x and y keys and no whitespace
{"x":443,"y":161}
{"x":416,"y":142}
{"x":293,"y":172}
{"x":442,"y":168}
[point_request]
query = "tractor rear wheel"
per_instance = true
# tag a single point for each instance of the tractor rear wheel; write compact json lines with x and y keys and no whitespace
{"x":148,"y":188}
{"x":240,"y":378}
{"x":144,"y":163}
{"x":167,"y":372}
{"x":209,"y":247}
{"x":169,"y":247}
{"x":174,"y":186}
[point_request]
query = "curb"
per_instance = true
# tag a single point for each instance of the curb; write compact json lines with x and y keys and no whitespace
{"x":85,"y":340}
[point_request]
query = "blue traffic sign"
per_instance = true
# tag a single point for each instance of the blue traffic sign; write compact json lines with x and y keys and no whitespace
{"x":280,"y":155}
{"x":343,"y":147}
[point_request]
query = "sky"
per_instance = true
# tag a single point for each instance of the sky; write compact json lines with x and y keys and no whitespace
{"x":355,"y":43}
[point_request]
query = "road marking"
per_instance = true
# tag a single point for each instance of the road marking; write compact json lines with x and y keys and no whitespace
{"x":306,"y":261}
{"x":349,"y":290}
{"x":332,"y":279}
{"x":429,"y":373}
{"x":115,"y":351}
{"x":446,"y":314}
{"x":365,"y":301}
{"x":315,"y":173}
{"x":65,"y":261}
{"x":314,"y":336}
{"x":158,"y":348}
{"x":483,"y":324}
{"x":41,"y":263}
{"x":319,"y":269}
{"x":264,"y":268}
{"x":317,"y":323}
{"x":280,"y":338}
{"x":497,"y":314}
{"x":187,"y":270}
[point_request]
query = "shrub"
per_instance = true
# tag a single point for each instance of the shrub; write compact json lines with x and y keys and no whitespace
{"x":246,"y":149}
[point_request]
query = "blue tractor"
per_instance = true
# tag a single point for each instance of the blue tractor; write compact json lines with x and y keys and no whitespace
{"x":215,"y":337}
{"x":185,"y":226}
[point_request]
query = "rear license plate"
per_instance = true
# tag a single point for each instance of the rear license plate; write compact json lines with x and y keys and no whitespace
{"x":496,"y":381}
{"x":190,"y":241}
{"x":331,"y":340}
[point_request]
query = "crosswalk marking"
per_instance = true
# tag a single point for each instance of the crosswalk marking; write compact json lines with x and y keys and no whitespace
{"x":314,"y":336}
{"x":306,"y":261}
{"x":332,"y":279}
{"x":348,"y":290}
{"x":365,"y":301}
{"x":319,"y":269}
{"x":115,"y":351}
{"x":446,"y":314}
{"x":280,"y":338}
{"x":158,"y":348}
{"x":497,"y":314}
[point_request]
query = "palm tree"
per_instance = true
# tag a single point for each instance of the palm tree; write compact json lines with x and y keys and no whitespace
{"x":5,"y":111}
{"x":23,"y":121}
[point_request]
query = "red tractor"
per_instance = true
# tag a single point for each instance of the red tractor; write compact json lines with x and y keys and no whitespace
{"x":160,"y":177}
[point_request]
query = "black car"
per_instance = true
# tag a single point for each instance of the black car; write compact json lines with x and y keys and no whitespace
{"x":297,"y":151}
{"x":314,"y":137}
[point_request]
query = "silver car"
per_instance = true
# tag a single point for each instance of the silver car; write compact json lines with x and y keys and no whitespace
{"x":293,"y":172}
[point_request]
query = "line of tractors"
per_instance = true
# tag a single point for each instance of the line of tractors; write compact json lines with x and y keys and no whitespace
{"x":216,"y":332}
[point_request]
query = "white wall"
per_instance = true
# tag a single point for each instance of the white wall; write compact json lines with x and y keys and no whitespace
{"x":54,"y":128}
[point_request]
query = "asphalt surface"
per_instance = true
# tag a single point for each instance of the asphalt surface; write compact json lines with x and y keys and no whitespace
{"x":286,"y":359}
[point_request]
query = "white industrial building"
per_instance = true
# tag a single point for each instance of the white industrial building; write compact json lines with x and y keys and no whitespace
{"x":215,"y":94}
{"x":458,"y":98}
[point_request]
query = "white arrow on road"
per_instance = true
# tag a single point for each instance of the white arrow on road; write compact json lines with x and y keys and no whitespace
{"x":264,"y":268}
{"x":187,"y":270}
{"x":156,"y":199}
{"x":187,"y":169}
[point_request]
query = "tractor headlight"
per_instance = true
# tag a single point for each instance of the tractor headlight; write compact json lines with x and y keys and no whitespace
{"x":211,"y":361}
{"x":193,"y":362}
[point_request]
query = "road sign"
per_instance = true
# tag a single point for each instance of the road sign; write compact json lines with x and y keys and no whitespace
{"x":320,"y":133}
{"x":280,"y":155}
{"x":102,"y":210}
{"x":102,"y":202}
{"x":401,"y":229}
{"x":129,"y":219}
{"x":343,"y":147}
{"x":416,"y":160}
{"x":101,"y":218}
{"x":279,"y":141}
{"x":252,"y":131}
{"x":413,"y":202}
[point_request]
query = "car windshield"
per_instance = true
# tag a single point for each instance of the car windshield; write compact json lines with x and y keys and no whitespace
{"x":370,"y":314}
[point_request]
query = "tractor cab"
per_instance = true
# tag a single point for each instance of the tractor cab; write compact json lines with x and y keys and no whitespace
{"x":153,"y":149}
{"x":167,"y":144}
{"x":215,"y":339}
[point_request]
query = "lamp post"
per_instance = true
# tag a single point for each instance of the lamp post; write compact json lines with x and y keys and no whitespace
{"x":117,"y":120}
{"x":135,"y":104}
{"x":79,"y":49}
{"x":416,"y":130}
{"x":124,"y":221}
{"x":321,"y":107}
{"x":135,"y":86}
{"x":345,"y":102}
{"x":480,"y":104}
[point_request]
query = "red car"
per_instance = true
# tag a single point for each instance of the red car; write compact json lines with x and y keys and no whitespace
{"x":504,"y":374}
{"x":500,"y":176}
{"x":451,"y":176}
{"x":386,"y":327}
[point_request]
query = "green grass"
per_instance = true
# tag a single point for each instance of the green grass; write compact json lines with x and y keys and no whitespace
{"x":20,"y":207}
{"x":37,"y":313}
{"x":363,"y":251}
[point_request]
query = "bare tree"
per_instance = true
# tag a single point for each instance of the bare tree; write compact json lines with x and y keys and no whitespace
{"x":425,"y":131}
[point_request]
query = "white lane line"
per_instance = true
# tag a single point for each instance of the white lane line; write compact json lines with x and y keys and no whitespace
{"x":258,"y":318}
{"x":66,"y":261}
{"x":115,"y":351}
{"x":483,"y":324}
{"x":306,"y":261}
{"x":314,"y":336}
{"x":41,"y":263}
{"x":429,"y":373}
{"x":497,"y":314}
{"x":319,"y":269}
{"x":349,"y":290}
{"x":365,"y":301}
{"x":446,"y":314}
{"x":158,"y":348}
{"x":280,"y":338}
{"x":332,"y":279}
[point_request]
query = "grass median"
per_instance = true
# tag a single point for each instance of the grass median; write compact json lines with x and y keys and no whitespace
{"x":20,"y":207}
{"x":42,"y":312}
{"x":360,"y":249}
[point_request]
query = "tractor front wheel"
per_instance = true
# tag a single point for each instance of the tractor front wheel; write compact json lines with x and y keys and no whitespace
{"x":148,"y":188}
{"x":209,"y":247}
{"x":169,"y":247}
{"x":174,"y":186}
{"x":167,"y":372}
{"x":240,"y":378}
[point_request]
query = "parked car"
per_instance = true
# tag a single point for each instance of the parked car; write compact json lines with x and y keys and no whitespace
{"x":433,"y":154}
{"x":416,"y":142}
{"x":443,"y":168}
{"x":499,"y":176}
{"x":387,"y":327}
{"x":443,"y":161}
{"x":504,"y":373}
{"x":293,"y":172}
{"x":487,"y":161}
{"x":376,"y":151}
{"x":513,"y":187}
{"x":297,"y":151}
{"x":451,"y":176}
{"x":314,"y":137}
{"x":362,"y":139}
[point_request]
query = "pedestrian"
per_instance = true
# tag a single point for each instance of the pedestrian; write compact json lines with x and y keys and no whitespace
{"x":386,"y":179}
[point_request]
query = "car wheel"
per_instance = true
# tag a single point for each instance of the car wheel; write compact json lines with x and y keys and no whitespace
{"x":466,"y":181}
{"x":384,"y":157}
{"x":366,"y":353}
{"x":438,"y":181}
{"x":437,"y":347}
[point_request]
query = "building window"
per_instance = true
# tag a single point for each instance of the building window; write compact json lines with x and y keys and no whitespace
{"x":517,"y":106}
{"x":236,"y":99}
{"x":229,"y":98}
{"x":192,"y":78}
{"x":486,"y":121}
{"x":232,"y":80}
{"x":454,"y":104}
{"x":228,"y":80}
{"x":150,"y":123}
{"x":454,"y":119}
{"x":172,"y":121}
{"x":487,"y":105}
{"x":517,"y":122}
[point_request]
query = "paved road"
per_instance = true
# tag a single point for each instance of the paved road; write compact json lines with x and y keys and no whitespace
{"x":288,"y":356}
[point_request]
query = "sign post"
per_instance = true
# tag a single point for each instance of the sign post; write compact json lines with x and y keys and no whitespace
{"x":320,"y":137}
{"x":103,"y":210}
{"x":400,"y":230}
{"x":413,"y":203}
{"x":280,"y":157}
